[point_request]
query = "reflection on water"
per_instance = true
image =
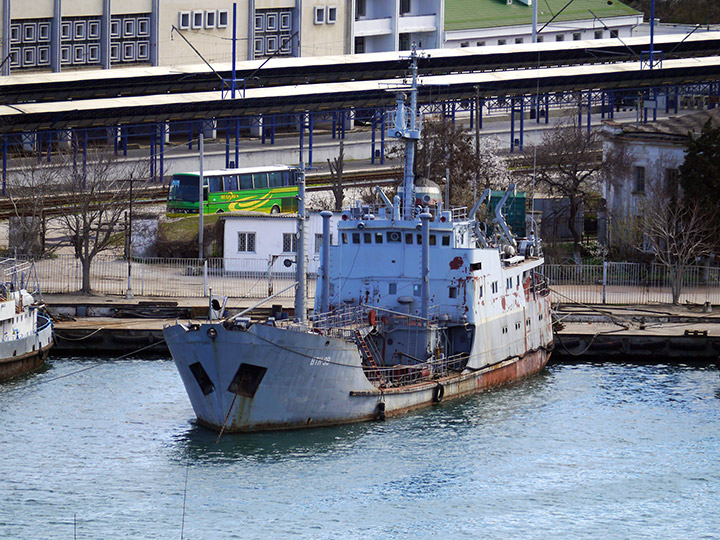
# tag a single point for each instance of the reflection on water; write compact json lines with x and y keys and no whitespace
{"x":581,"y":451}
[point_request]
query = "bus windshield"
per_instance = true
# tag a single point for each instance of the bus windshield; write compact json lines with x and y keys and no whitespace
{"x":184,"y":187}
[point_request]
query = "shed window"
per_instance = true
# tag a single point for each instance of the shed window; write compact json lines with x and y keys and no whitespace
{"x":246,"y":242}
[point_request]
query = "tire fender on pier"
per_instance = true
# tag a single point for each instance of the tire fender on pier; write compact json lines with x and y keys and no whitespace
{"x":438,"y":393}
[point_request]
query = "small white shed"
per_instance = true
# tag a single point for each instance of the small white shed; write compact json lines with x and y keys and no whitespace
{"x":255,"y":241}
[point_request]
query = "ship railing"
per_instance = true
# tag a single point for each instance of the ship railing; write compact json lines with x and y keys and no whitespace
{"x":341,"y":322}
{"x":18,"y":275}
{"x":407,"y":374}
{"x":541,"y":286}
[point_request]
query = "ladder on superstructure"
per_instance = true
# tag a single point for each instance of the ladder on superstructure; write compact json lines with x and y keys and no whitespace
{"x":366,"y":350}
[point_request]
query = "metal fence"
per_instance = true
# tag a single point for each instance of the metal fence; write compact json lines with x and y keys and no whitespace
{"x":168,"y":277}
{"x":630,"y":283}
{"x":613,"y":283}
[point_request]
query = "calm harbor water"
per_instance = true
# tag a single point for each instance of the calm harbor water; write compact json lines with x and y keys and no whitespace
{"x":581,"y":451}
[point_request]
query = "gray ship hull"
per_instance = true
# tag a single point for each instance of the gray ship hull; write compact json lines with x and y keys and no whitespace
{"x":268,"y":378}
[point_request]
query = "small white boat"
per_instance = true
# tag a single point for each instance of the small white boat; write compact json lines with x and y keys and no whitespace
{"x":26,"y":331}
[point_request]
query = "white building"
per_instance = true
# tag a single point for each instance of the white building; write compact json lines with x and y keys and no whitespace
{"x":264,"y":242}
{"x":654,"y":152}
{"x":393,"y":25}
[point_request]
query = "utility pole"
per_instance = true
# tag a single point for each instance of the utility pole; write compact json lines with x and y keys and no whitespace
{"x":201,"y":203}
{"x":129,"y":291}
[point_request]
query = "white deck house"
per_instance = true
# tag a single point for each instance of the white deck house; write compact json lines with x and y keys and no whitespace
{"x":255,"y":241}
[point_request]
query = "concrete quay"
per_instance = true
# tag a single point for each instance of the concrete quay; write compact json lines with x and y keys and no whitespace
{"x":650,"y":333}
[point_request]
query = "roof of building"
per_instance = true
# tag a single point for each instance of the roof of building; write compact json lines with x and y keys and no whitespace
{"x":674,"y":128}
{"x":470,"y":14}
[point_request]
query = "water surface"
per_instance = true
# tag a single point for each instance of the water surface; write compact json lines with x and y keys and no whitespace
{"x":609,"y":451}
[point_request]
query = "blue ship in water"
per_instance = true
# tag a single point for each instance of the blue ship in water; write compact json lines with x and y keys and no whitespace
{"x":417,"y":303}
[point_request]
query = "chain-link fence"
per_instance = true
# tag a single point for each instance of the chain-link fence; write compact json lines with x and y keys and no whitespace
{"x":630,"y":283}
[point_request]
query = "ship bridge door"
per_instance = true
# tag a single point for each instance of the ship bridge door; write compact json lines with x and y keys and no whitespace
{"x":370,"y":292}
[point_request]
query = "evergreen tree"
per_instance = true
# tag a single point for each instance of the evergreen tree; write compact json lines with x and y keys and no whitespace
{"x":700,"y":172}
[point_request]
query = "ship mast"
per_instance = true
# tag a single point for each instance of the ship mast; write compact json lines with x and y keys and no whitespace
{"x":407,"y":126}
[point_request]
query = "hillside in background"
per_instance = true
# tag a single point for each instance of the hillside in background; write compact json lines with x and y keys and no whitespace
{"x":680,"y":11}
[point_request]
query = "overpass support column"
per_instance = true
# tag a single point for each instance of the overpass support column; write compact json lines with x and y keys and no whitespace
{"x":4,"y":165}
{"x":589,"y":110}
{"x":311,"y":122}
{"x":209,"y":129}
{"x":237,"y":142}
{"x":382,"y":138}
{"x":65,"y":139}
{"x":522,"y":123}
{"x":29,"y":141}
{"x":162,"y":130}
{"x":256,"y":126}
{"x":373,"y":125}
{"x":512,"y":125}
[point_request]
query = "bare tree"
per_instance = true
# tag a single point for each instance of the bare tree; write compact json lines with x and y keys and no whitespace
{"x":29,"y":189}
{"x":336,"y":173}
{"x":677,"y":230}
{"x":565,"y":164}
{"x":445,"y":148}
{"x":96,"y":196}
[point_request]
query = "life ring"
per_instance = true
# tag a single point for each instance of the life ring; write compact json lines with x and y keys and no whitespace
{"x":438,"y":393}
{"x":371,"y":317}
{"x":212,"y":333}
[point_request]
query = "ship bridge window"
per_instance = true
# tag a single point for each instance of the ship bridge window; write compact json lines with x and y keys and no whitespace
{"x":408,"y":238}
{"x":392,"y":288}
{"x":367,"y":238}
{"x":452,"y":292}
{"x":344,"y":238}
{"x":378,"y":238}
{"x":494,"y":287}
{"x":445,"y":239}
{"x":355,"y":238}
{"x":433,"y":240}
{"x":394,"y":236}
{"x":416,"y":290}
{"x":475,"y":266}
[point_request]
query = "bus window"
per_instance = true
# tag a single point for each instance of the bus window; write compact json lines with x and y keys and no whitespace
{"x":288,"y":178}
{"x":231,"y":183}
{"x":184,"y":187}
{"x":260,"y":180}
{"x":245,"y":181}
{"x":215,"y":183}
{"x":275,"y":179}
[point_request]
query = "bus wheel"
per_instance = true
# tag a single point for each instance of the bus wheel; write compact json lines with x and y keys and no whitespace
{"x":220,"y":211}
{"x":275,"y":210}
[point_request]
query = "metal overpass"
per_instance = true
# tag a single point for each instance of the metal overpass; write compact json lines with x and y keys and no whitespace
{"x":50,"y":109}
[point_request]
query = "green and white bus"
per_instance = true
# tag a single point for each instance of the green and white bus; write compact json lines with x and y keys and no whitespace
{"x":261,"y":189}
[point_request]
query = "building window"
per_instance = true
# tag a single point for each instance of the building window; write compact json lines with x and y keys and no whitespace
{"x":465,"y":44}
{"x":404,"y":42}
{"x":197,"y":20}
{"x":290,"y":242}
{"x":319,"y":15}
{"x":577,"y":36}
{"x":560,"y":37}
{"x":598,"y":34}
{"x":319,"y":242}
{"x":210,"y":18}
{"x":519,"y":40}
{"x":405,"y":7}
{"x":502,"y":41}
{"x":223,"y":18}
{"x":273,"y":30}
{"x":540,"y":39}
{"x":479,"y":43}
{"x":639,"y":174}
{"x":331,"y":15}
{"x":246,"y":242}
{"x":360,"y":8}
{"x":614,"y":34}
{"x":359,"y":45}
